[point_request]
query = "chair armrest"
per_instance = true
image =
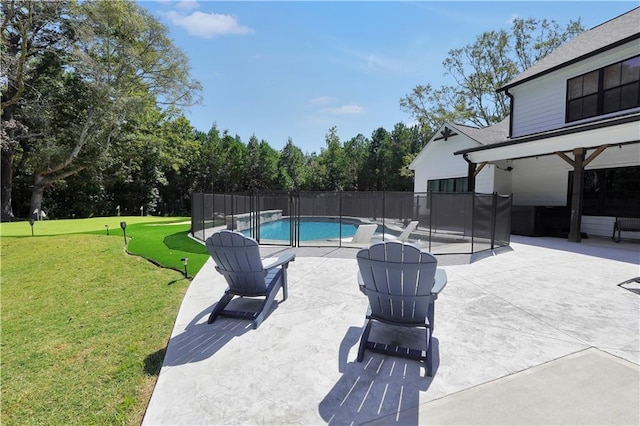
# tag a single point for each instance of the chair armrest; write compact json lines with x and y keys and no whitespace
{"x":440,"y":281}
{"x":283,"y":259}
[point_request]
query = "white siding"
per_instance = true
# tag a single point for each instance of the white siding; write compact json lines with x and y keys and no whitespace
{"x":503,"y":178}
{"x":540,"y":182}
{"x":539,"y":105}
{"x":622,"y":156}
{"x":437,"y":161}
{"x":597,"y":225}
{"x":602,"y":226}
{"x":485,"y":180}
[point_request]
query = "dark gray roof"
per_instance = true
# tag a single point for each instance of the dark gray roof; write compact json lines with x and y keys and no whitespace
{"x":487,"y":135}
{"x":617,"y":31}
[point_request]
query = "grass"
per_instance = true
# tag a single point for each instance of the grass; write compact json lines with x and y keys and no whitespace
{"x":84,"y":323}
{"x":164,"y":241}
{"x":79,"y":226}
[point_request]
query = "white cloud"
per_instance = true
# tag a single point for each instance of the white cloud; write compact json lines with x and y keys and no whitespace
{"x":322,"y":100}
{"x":187,"y":4}
{"x":208,"y":25}
{"x":345,"y":110}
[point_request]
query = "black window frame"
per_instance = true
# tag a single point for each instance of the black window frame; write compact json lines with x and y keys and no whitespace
{"x":613,"y":191}
{"x":598,"y":97}
{"x":460,"y":184}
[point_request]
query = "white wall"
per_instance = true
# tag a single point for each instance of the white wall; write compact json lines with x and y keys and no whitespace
{"x":602,"y":226}
{"x":539,"y":105}
{"x":485,"y":180}
{"x":437,"y":161}
{"x":544,"y":181}
{"x":540,"y":182}
{"x":622,"y":156}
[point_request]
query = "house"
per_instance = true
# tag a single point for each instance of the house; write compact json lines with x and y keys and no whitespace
{"x":569,"y":151}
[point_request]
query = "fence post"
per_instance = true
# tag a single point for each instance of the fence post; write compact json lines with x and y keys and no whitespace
{"x":254,"y":213}
{"x":204,"y":217}
{"x":430,"y":198}
{"x":340,"y":218}
{"x":296,"y":225}
{"x":473,"y":220}
{"x":384,"y":213}
{"x":234,"y":202}
{"x":494,"y":207}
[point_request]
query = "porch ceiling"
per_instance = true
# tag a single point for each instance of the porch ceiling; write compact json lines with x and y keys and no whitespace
{"x":623,"y":133}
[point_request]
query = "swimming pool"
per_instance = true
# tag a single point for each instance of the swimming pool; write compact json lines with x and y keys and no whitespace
{"x":315,"y":228}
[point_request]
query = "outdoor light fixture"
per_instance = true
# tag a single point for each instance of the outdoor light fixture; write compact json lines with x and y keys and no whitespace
{"x":123,"y":225}
{"x":107,"y":226}
{"x":184,"y":262}
{"x":31,"y":223}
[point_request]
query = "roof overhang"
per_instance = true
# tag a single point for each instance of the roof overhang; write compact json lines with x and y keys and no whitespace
{"x":618,"y":131}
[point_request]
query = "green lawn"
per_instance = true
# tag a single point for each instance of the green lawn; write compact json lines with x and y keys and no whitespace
{"x":78,"y":226}
{"x":85,"y":323}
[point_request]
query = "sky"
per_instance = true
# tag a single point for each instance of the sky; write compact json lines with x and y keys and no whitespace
{"x":283,"y":69}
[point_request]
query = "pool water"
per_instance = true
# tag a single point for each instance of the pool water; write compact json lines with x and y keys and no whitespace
{"x":310,"y":229}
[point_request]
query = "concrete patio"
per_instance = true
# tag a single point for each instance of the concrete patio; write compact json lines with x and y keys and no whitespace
{"x":538,"y":334}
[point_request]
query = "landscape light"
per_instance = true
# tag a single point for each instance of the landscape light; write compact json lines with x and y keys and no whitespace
{"x":185,"y":260}
{"x":123,"y":225}
{"x":107,"y":226}
{"x":31,"y":223}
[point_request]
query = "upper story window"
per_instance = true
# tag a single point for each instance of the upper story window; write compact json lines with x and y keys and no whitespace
{"x":613,"y":88}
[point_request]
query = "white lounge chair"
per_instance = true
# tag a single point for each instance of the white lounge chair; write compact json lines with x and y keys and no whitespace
{"x":363,"y":234}
{"x":406,"y":232}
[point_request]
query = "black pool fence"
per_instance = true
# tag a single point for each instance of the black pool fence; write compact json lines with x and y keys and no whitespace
{"x":441,"y":222}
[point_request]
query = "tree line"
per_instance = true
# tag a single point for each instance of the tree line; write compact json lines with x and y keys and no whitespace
{"x":92,"y":124}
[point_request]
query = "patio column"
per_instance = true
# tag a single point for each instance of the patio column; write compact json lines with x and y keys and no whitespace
{"x":579,"y":163}
{"x":471,"y":177}
{"x":576,"y":195}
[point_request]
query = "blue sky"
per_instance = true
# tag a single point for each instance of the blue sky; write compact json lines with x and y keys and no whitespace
{"x":280,"y":69}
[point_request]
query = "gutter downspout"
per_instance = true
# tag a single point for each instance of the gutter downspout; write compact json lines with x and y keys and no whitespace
{"x":471,"y":174}
{"x":506,"y":92}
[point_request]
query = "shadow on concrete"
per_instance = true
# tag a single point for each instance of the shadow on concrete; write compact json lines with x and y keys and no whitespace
{"x":200,"y":340}
{"x":381,"y":388}
{"x":603,"y":248}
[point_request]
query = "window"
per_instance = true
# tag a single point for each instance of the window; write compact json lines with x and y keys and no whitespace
{"x":448,"y":185}
{"x":610,"y":192}
{"x":613,"y":88}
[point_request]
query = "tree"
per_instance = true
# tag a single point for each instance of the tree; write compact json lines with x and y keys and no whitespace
{"x":32,"y":37}
{"x":397,"y":156}
{"x":332,"y":163}
{"x":269,"y":159}
{"x":355,"y":154}
{"x":479,"y":69}
{"x":374,"y":164}
{"x":290,"y":167}
{"x":120,"y":58}
{"x":261,"y":164}
{"x":232,"y":155}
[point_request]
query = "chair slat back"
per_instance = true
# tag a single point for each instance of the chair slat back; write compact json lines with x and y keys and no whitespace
{"x":237,"y":258}
{"x":398,"y":279}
